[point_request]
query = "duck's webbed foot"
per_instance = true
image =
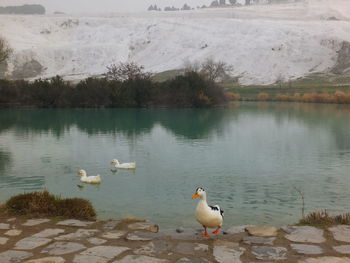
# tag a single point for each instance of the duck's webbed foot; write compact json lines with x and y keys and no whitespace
{"x":205,"y":232}
{"x":216,"y":230}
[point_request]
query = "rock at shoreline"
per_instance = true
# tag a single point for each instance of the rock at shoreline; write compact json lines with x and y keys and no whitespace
{"x":34,"y":222}
{"x":262,"y":231}
{"x":74,"y":222}
{"x":147,"y":226}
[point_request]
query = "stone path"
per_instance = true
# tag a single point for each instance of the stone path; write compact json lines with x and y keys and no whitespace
{"x":127,"y":241}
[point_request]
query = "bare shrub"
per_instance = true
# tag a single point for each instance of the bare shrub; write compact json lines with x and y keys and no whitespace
{"x":262,"y":96}
{"x":215,"y":70}
{"x":126,"y":71}
{"x":283,"y":97}
{"x":231,"y":96}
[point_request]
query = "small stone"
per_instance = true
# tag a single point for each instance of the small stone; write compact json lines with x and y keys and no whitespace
{"x":13,"y":232}
{"x":49,"y":232}
{"x":341,"y":233}
{"x":47,"y":260}
{"x":325,"y":260}
{"x":4,"y":226}
{"x":191,"y":248}
{"x":144,"y":226}
{"x":258,"y":240}
{"x":74,"y":222}
{"x":342,"y":249}
{"x":195,"y":260}
{"x":116,"y":234}
{"x":307,"y":249}
{"x":96,"y":241}
{"x":180,"y":230}
{"x":304,"y":234}
{"x":111,"y":224}
{"x":237,"y":229}
{"x":269,"y":253}
{"x":3,"y":240}
{"x":11,"y":219}
{"x":140,"y":259}
{"x":61,"y":248}
{"x":12,"y":256}
{"x":262,"y":231}
{"x":108,"y":252}
{"x":78,"y":235}
{"x":34,"y":222}
{"x":227,"y":252}
{"x":139,"y":236}
{"x":31,"y":242}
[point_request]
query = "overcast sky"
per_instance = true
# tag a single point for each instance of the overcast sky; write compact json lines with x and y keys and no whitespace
{"x":97,"y":6}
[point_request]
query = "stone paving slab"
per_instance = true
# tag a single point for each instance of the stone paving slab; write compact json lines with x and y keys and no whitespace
{"x":13,"y":256}
{"x":49,"y":232}
{"x":61,"y":248}
{"x":154,"y":248}
{"x":111,"y":224}
{"x":140,"y":236}
{"x":141,"y":259}
{"x":187,"y":248}
{"x":89,"y":259}
{"x":325,"y":260}
{"x":13,"y":232}
{"x":304,"y":234}
{"x":47,"y":260}
{"x":31,"y":243}
{"x":195,"y":260}
{"x":34,"y":222}
{"x":341,"y":233}
{"x":108,"y":252}
{"x":258,"y":240}
{"x":115,"y":234}
{"x":3,"y":240}
{"x":96,"y":241}
{"x":342,"y":249}
{"x":227,"y":252}
{"x":307,"y":249}
{"x":78,"y":235}
{"x":74,"y":222}
{"x":269,"y":253}
{"x":4,"y":226}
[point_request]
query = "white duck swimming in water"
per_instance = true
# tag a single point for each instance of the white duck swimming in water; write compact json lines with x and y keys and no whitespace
{"x":116,"y":164}
{"x":208,"y":216}
{"x":89,"y":179}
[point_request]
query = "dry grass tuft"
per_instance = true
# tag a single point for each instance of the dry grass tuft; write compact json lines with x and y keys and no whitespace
{"x":42,"y":203}
{"x":322,"y":218}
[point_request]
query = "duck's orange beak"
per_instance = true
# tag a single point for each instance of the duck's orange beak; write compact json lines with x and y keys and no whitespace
{"x":194,"y":196}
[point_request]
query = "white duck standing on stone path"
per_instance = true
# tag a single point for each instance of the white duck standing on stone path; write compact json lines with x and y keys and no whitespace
{"x":89,"y":179}
{"x":118,"y":165}
{"x":208,"y":216}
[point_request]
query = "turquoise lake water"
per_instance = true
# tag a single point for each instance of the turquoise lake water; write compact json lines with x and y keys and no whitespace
{"x":249,"y":158}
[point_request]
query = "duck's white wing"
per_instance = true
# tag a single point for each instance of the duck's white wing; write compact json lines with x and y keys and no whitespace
{"x":217,"y":209}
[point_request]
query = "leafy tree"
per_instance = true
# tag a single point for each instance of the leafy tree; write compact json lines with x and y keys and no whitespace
{"x":5,"y":50}
{"x":222,"y":2}
{"x":214,"y":3}
{"x":233,"y":2}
